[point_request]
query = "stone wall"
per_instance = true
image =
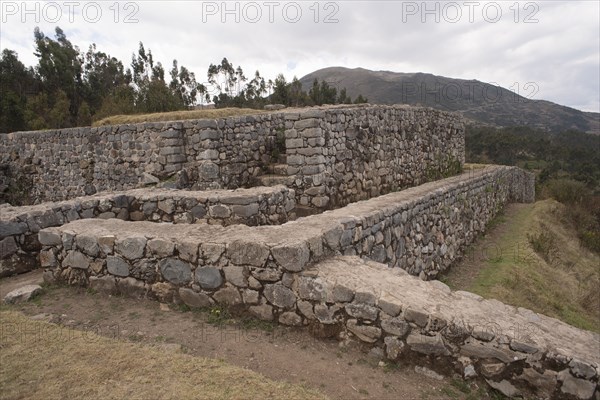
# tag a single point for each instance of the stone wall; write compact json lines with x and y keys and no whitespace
{"x":306,"y":273}
{"x":515,"y":350}
{"x":200,"y":154}
{"x":340,"y":155}
{"x":422,"y":230}
{"x":19,"y":245}
{"x":335,"y":155}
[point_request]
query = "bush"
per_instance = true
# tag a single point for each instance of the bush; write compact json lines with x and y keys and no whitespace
{"x":567,"y":191}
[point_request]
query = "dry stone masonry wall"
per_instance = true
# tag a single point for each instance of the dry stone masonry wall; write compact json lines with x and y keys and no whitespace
{"x":306,"y":272}
{"x":19,"y":226}
{"x":335,"y":155}
{"x":338,"y":156}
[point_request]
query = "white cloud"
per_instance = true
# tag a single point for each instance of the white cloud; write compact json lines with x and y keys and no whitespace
{"x":560,"y":53}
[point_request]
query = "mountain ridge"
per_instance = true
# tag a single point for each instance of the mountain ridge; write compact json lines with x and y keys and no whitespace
{"x":479,"y":102}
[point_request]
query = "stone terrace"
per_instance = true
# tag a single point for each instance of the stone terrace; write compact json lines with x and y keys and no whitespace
{"x":19,"y":246}
{"x":306,"y":272}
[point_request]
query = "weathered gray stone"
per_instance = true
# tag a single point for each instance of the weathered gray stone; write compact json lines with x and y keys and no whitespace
{"x":194,"y":299}
{"x":427,"y":344}
{"x":22,"y":294}
{"x":504,"y":387}
{"x":306,"y":309}
{"x":263,"y":312}
{"x":362,"y":311}
{"x":106,"y":244}
{"x":48,"y":238}
{"x":219,"y":211}
{"x":489,"y":352}
{"x":389,"y":307}
{"x":8,"y":247}
{"x":12,"y":228}
{"x":580,"y":388}
{"x":161,"y":247}
{"x":342,"y":294}
{"x":395,"y":326}
{"x":131,"y":287}
{"x":248,"y":253}
{"x":393,"y":347}
{"x":267,"y":274}
{"x":208,"y":277}
{"x":238,"y":276}
{"x":117,"y":266}
{"x":523,"y":347}
{"x":228,"y":296}
{"x":582,"y":369}
{"x":188,"y":251}
{"x":175,"y":271}
{"x":75,"y":259}
{"x":418,"y":317}
{"x":280,"y":296}
{"x":311,"y":288}
{"x":292,"y":257}
{"x":490,"y":370}
{"x":87,"y":244}
{"x":290,"y":318}
{"x":131,"y":248}
{"x":544,"y":384}
{"x":48,"y":258}
{"x":366,"y":333}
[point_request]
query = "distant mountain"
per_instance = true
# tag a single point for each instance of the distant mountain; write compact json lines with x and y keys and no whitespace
{"x":477,"y":101}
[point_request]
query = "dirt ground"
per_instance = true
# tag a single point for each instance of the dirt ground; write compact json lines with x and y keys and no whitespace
{"x":277,"y":352}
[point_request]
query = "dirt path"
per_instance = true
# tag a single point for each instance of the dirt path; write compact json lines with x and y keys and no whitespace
{"x":277,"y":352}
{"x":463,"y":274}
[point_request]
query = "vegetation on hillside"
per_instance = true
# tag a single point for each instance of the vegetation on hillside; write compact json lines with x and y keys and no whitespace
{"x":69,"y":87}
{"x":567,"y":167}
{"x":531,"y":258}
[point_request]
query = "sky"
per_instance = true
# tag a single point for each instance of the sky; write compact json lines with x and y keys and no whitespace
{"x":546,"y":50}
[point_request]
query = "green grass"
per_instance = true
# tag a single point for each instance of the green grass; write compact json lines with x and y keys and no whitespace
{"x":559,"y":280}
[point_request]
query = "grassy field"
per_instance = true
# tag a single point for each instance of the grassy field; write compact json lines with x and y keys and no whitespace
{"x":39,"y":360}
{"x":176,"y":116}
{"x":531,"y":258}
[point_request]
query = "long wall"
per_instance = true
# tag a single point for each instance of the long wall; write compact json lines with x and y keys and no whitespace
{"x":19,"y":226}
{"x":335,"y":155}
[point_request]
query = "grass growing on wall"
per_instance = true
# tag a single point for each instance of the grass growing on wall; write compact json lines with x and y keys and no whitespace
{"x":177,"y":115}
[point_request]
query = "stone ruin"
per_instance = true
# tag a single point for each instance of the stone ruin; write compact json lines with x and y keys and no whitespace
{"x":336,"y":218}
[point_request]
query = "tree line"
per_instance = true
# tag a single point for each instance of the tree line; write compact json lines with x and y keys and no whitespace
{"x":69,"y":87}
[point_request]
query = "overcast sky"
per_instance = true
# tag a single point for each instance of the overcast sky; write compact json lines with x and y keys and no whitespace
{"x":553,"y":44}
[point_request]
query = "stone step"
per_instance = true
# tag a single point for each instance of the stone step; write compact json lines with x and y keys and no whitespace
{"x":273,"y":180}
{"x":278,"y":169}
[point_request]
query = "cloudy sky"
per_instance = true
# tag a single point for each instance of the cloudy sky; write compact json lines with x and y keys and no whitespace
{"x":545,"y":49}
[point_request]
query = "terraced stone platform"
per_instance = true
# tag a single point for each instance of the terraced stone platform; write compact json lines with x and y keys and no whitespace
{"x":19,"y":246}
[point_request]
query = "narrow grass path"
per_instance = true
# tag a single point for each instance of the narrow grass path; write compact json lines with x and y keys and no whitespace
{"x":531,"y":258}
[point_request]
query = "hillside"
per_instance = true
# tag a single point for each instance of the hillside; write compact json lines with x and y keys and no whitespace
{"x":477,"y":101}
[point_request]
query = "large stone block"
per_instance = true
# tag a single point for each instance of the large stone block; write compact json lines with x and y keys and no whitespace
{"x":292,"y":257}
{"x":175,"y":271}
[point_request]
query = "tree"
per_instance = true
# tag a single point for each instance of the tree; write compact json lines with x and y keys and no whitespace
{"x":59,"y":67}
{"x":16,"y":82}
{"x":101,"y":75}
{"x":281,"y":92}
{"x":184,"y":86}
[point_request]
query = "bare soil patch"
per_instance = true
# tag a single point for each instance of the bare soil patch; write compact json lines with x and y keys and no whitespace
{"x":284,"y":355}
